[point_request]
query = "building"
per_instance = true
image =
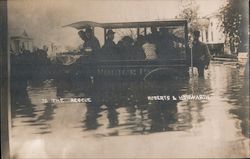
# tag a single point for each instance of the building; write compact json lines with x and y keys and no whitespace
{"x":20,"y":43}
{"x":212,"y":34}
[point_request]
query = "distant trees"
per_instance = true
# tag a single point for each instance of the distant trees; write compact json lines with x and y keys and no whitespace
{"x":234,"y":16}
{"x":189,"y":11}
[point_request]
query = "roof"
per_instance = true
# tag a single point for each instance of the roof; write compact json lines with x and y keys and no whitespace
{"x":203,"y":21}
{"x":84,"y":24}
{"x":214,"y":14}
{"x":20,"y":34}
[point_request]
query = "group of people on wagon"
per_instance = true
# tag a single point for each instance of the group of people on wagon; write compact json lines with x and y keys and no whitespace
{"x":156,"y":45}
{"x":159,"y":44}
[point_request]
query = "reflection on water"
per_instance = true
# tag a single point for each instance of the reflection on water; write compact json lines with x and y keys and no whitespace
{"x":27,"y":106}
{"x":118,"y":107}
{"x":237,"y":93}
{"x":122,"y":108}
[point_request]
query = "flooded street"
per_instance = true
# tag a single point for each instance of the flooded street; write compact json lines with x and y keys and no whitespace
{"x":132,"y":119}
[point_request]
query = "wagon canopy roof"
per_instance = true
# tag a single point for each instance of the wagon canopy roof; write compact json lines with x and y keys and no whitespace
{"x":84,"y":24}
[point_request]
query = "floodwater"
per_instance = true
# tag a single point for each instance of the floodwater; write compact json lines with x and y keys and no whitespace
{"x":72,"y":118}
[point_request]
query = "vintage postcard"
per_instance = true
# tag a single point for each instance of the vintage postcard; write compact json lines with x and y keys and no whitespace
{"x":125,"y":79}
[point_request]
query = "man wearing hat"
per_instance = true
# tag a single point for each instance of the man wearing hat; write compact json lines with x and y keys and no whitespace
{"x":91,"y":43}
{"x":201,"y":54}
{"x":109,"y":48}
{"x":165,"y":44}
{"x":82,"y":35}
{"x":109,"y":43}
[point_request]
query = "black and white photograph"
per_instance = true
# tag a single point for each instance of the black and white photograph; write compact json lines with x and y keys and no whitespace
{"x":124,"y":79}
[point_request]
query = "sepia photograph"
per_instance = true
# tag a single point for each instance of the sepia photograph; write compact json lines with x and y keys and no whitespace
{"x":124,"y":79}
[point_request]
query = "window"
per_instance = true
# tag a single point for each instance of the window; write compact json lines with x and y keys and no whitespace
{"x":206,"y":36}
{"x":212,"y":36}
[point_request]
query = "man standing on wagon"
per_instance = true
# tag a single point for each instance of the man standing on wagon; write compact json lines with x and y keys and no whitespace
{"x":201,"y":54}
{"x":109,"y":48}
{"x":91,"y":43}
{"x":109,"y":43}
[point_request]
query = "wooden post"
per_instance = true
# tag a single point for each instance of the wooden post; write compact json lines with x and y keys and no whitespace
{"x":138,"y":32}
{"x":192,"y":68}
{"x":4,"y":98}
{"x":145,"y":31}
{"x":105,"y":31}
{"x":186,"y":46}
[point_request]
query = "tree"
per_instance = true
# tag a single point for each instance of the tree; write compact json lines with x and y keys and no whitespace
{"x":189,"y":11}
{"x":234,"y":17}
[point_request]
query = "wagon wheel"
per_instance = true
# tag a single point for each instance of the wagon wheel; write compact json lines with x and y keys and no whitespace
{"x":163,"y":73}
